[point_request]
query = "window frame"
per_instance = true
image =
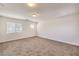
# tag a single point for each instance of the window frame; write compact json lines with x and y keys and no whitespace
{"x":18,"y":27}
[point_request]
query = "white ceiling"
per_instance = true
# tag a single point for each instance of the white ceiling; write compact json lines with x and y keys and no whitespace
{"x":47,"y":11}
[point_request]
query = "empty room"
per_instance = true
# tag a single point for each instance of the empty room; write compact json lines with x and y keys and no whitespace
{"x":39,"y":29}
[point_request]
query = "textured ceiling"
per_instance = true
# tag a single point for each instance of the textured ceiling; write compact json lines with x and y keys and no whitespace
{"x":47,"y":11}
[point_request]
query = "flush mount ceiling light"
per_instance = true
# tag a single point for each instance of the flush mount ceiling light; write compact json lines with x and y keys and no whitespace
{"x":35,"y":14}
{"x":31,"y":4}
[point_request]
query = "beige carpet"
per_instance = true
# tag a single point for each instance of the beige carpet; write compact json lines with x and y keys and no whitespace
{"x":37,"y":46}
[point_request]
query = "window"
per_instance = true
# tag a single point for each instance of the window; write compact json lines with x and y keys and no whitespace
{"x":14,"y":27}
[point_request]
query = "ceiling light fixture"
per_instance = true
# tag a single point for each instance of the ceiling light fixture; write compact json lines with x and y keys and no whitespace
{"x":31,"y":4}
{"x":35,"y":14}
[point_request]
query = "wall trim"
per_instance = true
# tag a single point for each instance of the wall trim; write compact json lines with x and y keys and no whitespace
{"x":69,"y":43}
{"x":65,"y":42}
{"x":17,"y":39}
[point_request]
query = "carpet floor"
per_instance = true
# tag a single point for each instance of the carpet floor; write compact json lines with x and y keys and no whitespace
{"x":37,"y":46}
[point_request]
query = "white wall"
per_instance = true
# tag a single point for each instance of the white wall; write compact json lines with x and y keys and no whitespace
{"x":27,"y":30}
{"x":63,"y":29}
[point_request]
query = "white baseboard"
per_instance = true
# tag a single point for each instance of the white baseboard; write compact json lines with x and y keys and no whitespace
{"x":15,"y":39}
{"x":71,"y":43}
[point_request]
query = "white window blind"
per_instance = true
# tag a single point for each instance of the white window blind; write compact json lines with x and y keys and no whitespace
{"x":14,"y":27}
{"x":18,"y":27}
